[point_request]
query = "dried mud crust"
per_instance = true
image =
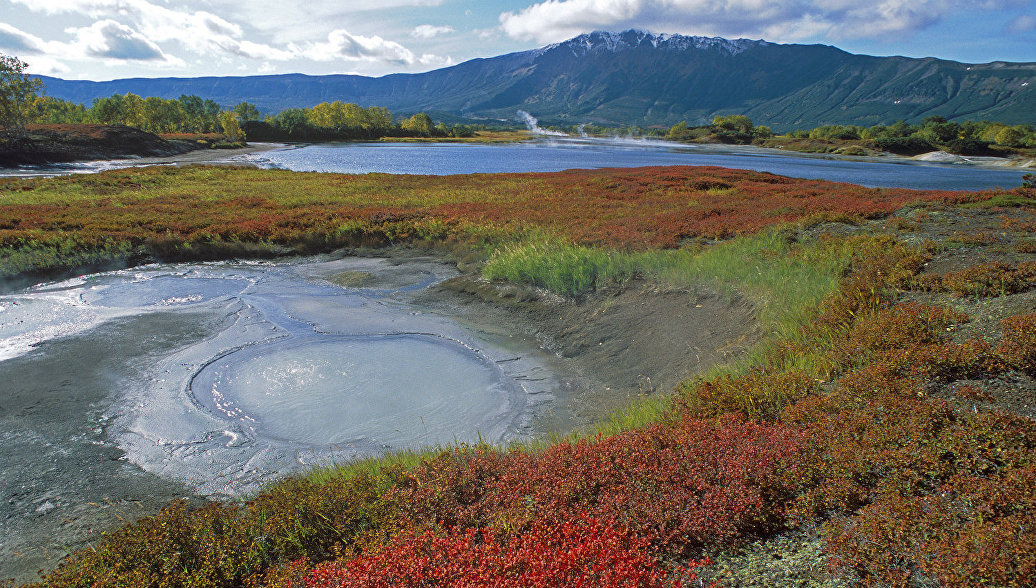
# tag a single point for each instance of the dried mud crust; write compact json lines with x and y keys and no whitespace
{"x":628,"y":342}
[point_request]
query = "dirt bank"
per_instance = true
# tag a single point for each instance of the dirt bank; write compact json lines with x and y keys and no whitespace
{"x":624,"y":343}
{"x":65,"y":143}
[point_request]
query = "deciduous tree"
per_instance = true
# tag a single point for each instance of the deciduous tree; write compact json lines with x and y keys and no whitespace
{"x":18,"y":92}
{"x":246,"y":111}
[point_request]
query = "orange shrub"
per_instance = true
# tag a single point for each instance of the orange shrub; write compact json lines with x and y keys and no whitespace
{"x":756,"y":394}
{"x":987,"y":279}
{"x":1018,"y":342}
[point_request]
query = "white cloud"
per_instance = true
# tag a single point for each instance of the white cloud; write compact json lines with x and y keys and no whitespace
{"x":140,"y":29}
{"x":252,"y":50}
{"x":427,"y":31}
{"x":111,"y":40}
{"x":105,"y":39}
{"x":775,"y":20}
{"x":13,"y":40}
{"x":436,"y":61}
{"x":343,"y":45}
{"x":199,"y":31}
{"x":487,"y":34}
{"x":47,"y":66}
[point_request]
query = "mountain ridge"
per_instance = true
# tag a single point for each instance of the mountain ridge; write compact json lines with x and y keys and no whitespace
{"x":639,"y":78}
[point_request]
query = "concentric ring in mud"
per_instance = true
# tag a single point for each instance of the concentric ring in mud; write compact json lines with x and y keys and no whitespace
{"x":388,"y":390}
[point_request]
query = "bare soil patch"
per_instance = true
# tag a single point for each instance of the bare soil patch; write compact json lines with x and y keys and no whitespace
{"x":625,"y":343}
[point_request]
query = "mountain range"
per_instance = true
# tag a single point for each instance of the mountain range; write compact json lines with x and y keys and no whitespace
{"x":638,"y":78}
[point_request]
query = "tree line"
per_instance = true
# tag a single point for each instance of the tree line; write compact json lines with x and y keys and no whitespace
{"x":22,"y":102}
{"x":932,"y":133}
{"x":192,"y":114}
{"x":341,"y":120}
{"x":964,"y":138}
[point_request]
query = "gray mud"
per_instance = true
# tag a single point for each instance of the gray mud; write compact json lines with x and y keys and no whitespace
{"x":63,"y":480}
{"x":125,"y":390}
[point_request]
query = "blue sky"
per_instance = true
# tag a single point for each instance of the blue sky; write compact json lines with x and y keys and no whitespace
{"x":106,"y":39}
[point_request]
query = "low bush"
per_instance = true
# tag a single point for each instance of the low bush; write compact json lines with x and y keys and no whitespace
{"x":911,"y":145}
{"x":942,"y":496}
{"x":987,"y":279}
{"x":1018,"y":342}
{"x":581,"y":551}
{"x":234,"y":545}
{"x":689,"y":484}
{"x":756,"y":394}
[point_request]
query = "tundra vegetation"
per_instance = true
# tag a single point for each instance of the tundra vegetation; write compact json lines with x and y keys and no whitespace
{"x":877,"y":415}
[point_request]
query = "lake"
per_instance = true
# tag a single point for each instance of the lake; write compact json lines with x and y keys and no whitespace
{"x":551,"y":154}
{"x":556,"y":154}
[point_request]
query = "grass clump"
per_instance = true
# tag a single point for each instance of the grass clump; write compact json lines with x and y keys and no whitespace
{"x":785,"y":279}
{"x":563,"y":268}
{"x":40,"y":256}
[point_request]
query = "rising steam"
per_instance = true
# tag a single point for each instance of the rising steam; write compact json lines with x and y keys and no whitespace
{"x":531,"y":123}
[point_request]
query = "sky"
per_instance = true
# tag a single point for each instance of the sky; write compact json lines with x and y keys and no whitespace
{"x":109,"y":39}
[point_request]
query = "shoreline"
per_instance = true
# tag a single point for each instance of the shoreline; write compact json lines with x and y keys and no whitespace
{"x":215,"y":157}
{"x":234,"y":157}
{"x":940,"y":158}
{"x":204,"y":156}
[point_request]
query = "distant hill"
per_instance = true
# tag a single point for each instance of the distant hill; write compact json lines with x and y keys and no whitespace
{"x":637,"y":78}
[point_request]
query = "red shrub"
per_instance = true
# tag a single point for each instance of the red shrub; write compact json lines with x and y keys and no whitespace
{"x":911,"y":484}
{"x":574,"y":552}
{"x":910,"y":340}
{"x":987,"y":279}
{"x":686,"y":484}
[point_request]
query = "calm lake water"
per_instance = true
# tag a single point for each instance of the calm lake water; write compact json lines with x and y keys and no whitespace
{"x":549,"y":155}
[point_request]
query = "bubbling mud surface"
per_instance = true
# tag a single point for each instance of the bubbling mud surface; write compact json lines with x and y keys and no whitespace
{"x":136,"y":386}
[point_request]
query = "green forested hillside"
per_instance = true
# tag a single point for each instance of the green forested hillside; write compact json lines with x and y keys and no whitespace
{"x":636,"y":78}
